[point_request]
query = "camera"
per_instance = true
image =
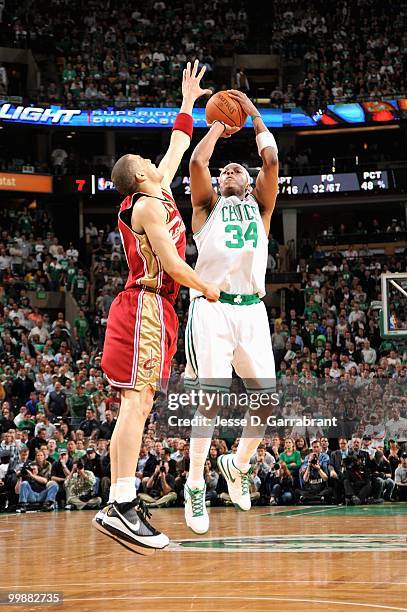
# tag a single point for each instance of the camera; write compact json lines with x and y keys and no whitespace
{"x":314,"y":460}
{"x":79,"y":464}
{"x":276,"y":466}
{"x":24,"y":473}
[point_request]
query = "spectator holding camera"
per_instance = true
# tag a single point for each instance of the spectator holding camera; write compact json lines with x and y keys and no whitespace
{"x":34,"y":484}
{"x":93,"y":463}
{"x":314,"y":473}
{"x":401,"y":478}
{"x":79,"y":487}
{"x":160,"y":487}
{"x":60,"y":470}
{"x":282,"y":492}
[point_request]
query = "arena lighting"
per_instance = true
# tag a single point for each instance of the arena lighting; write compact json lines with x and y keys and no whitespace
{"x":345,"y":130}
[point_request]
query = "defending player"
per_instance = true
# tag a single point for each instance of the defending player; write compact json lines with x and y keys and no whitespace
{"x":231,"y":233}
{"x":142,"y":327}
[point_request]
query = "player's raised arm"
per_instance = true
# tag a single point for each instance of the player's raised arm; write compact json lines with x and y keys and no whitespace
{"x":267,"y":179}
{"x":182,"y":130}
{"x":150,"y":217}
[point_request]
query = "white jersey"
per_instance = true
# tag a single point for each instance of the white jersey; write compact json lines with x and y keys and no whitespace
{"x":233,"y":247}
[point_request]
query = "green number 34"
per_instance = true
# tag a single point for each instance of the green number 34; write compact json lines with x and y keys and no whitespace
{"x":238,"y":239}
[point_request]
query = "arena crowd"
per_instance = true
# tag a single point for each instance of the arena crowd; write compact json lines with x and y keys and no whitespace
{"x":109,"y":54}
{"x":58,"y":412}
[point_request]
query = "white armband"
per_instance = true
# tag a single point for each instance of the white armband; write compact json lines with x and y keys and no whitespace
{"x":265,"y":139}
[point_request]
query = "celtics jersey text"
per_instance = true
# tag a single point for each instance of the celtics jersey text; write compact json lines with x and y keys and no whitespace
{"x":233,"y":247}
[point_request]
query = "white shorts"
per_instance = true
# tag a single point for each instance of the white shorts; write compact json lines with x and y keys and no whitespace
{"x":220,"y":336}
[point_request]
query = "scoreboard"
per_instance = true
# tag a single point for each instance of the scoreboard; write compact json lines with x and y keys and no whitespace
{"x":369,"y":180}
{"x":329,"y":184}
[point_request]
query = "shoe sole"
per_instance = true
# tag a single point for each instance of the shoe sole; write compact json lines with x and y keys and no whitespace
{"x":226,"y":477}
{"x":141,"y":550}
{"x":197,"y":532}
{"x":125,"y":541}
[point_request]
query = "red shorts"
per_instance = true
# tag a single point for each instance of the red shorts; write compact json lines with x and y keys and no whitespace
{"x":141,"y":340}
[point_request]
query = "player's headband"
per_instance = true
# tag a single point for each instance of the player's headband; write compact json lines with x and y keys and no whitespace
{"x":248,"y":189}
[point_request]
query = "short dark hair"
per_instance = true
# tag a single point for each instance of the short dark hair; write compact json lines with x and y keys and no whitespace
{"x":123,"y":175}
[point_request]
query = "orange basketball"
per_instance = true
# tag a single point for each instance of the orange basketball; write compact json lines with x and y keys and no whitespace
{"x":221,"y":107}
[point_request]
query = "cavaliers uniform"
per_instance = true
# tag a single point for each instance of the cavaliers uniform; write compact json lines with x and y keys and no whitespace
{"x":142,"y":327}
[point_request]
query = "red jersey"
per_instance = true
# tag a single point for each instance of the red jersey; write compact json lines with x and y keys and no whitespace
{"x":145,"y":268}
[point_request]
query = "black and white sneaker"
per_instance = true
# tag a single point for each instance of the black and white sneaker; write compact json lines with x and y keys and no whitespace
{"x":97,"y":520}
{"x":128,"y":524}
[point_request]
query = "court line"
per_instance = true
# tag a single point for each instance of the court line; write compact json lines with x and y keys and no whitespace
{"x":299,"y":514}
{"x":195,"y":598}
{"x":291,"y":536}
{"x":197,"y":582}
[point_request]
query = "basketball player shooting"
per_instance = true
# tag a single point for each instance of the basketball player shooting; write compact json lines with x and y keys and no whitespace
{"x":231,"y":233}
{"x":142,"y":327}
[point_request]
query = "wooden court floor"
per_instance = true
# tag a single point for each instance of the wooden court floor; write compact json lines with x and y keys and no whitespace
{"x":267,"y":559}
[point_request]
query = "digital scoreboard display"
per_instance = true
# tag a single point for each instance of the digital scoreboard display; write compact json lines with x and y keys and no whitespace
{"x":314,"y":184}
{"x":370,"y":180}
{"x":329,"y":184}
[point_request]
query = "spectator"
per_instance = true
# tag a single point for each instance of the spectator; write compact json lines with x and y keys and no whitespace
{"x":314,"y":473}
{"x":211,"y":478}
{"x":80,"y":485}
{"x":382,"y":483}
{"x":291,"y":457}
{"x":93,"y":463}
{"x":396,"y":427}
{"x":9,"y":447}
{"x":160,"y":487}
{"x":44,"y":423}
{"x":107,"y":426}
{"x":401,"y":478}
{"x":282,"y":491}
{"x":89,"y":425}
{"x":36,"y":442}
{"x":34,"y":485}
{"x":78,"y":406}
{"x":357,"y":476}
{"x":22,"y":386}
{"x":56,"y":403}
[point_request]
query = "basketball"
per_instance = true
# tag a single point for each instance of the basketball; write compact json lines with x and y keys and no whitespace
{"x":221,"y":107}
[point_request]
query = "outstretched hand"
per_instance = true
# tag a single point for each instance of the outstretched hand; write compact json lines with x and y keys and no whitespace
{"x":244,"y":101}
{"x":191,"y":79}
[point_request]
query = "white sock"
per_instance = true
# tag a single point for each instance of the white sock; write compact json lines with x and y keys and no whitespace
{"x":252,"y":435}
{"x":200,"y":443}
{"x":125,"y":489}
{"x":112,"y":492}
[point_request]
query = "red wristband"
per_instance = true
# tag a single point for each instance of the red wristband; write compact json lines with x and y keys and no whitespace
{"x":184,"y":123}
